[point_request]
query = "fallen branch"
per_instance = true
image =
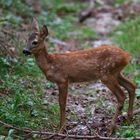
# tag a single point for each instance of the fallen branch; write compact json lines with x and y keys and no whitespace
{"x":52,"y":135}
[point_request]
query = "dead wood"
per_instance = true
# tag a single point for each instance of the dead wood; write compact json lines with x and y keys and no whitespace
{"x":51,"y":135}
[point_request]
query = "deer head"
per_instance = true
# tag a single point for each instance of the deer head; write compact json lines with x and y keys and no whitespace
{"x":35,"y":39}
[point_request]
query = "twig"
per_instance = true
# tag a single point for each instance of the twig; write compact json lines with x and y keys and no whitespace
{"x":51,"y":134}
{"x":50,"y":137}
{"x":59,"y":134}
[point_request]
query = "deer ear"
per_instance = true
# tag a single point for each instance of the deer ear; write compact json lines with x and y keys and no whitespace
{"x":44,"y":31}
{"x":35,"y":26}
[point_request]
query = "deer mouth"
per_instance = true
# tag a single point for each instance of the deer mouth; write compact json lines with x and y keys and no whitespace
{"x":26,"y":52}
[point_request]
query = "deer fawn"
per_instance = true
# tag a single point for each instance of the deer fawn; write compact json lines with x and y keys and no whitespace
{"x":104,"y":63}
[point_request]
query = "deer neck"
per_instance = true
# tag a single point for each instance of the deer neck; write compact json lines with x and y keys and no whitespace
{"x":42,"y":58}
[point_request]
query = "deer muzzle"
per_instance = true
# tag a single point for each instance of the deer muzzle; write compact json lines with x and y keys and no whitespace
{"x":26,"y":52}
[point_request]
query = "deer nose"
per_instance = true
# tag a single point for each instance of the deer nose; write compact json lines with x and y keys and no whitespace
{"x":26,"y":52}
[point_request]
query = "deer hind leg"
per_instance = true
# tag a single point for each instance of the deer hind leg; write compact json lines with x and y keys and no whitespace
{"x":130,"y":87}
{"x":112,"y":83}
{"x":63,"y":91}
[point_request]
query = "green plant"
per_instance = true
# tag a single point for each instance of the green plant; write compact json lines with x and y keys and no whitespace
{"x":127,"y":131}
{"x":23,"y":107}
{"x":22,"y":84}
{"x":13,"y":11}
{"x":127,"y":36}
{"x":120,"y":2}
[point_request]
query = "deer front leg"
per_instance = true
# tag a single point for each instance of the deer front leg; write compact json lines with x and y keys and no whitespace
{"x":63,"y":91}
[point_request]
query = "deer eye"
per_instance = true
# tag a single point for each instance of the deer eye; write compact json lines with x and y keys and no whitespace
{"x":35,"y":42}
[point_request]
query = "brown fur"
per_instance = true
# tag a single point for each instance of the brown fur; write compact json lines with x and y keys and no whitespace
{"x":81,"y":66}
{"x":104,"y":63}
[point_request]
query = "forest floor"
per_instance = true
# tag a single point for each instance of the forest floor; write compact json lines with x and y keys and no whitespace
{"x":90,"y":106}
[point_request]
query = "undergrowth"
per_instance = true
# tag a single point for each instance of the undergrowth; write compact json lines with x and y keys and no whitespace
{"x":22,"y":83}
{"x":126,"y":36}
